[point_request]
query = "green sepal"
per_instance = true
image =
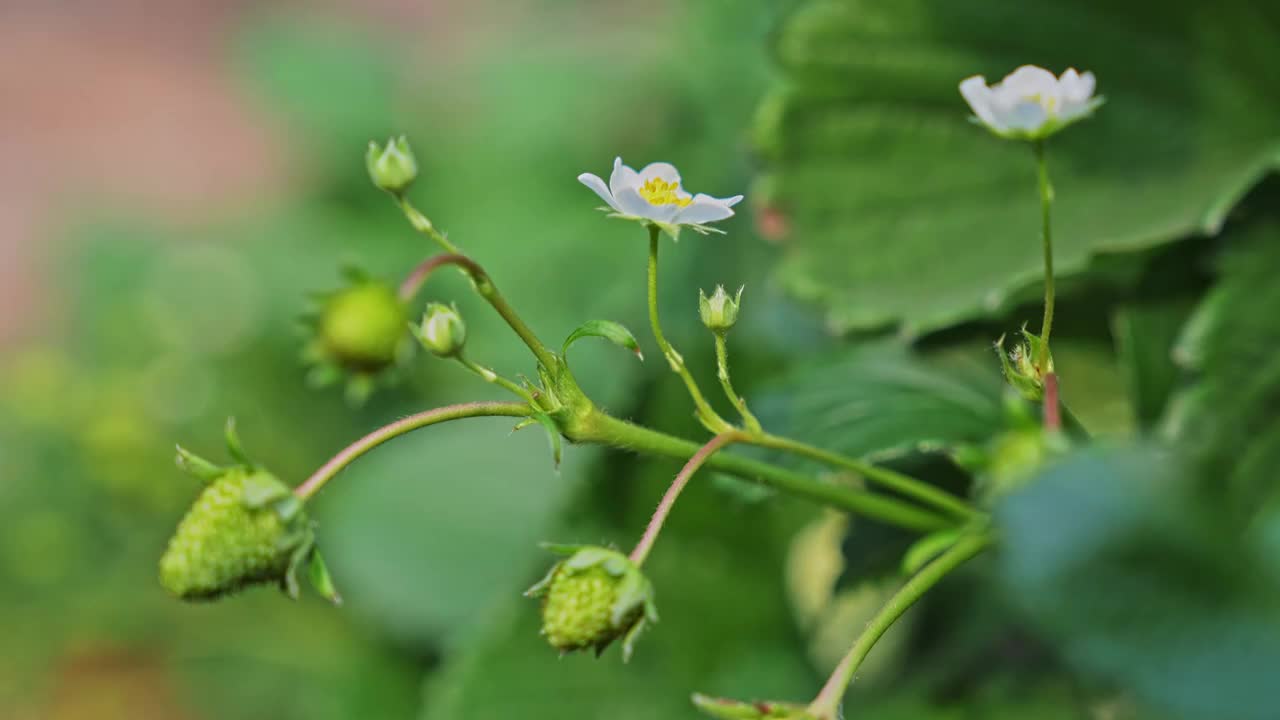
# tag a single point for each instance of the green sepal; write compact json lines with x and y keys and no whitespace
{"x":302,"y":543}
{"x":262,"y":489}
{"x":927,"y":548}
{"x":553,"y":436}
{"x":196,"y":466}
{"x":321,"y":580}
{"x":233,"y":444}
{"x":607,"y":329}
{"x":561,"y":548}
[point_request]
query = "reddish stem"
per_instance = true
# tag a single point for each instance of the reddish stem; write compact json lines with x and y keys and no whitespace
{"x":677,"y":486}
{"x":419,"y":275}
{"x":1052,"y":407}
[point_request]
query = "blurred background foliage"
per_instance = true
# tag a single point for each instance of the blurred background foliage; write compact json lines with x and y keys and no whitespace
{"x":885,"y":243}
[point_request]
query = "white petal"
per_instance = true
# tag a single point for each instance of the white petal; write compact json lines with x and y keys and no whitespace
{"x":666,"y":171}
{"x":978,"y":95}
{"x":595,"y":183}
{"x":1080,"y":89}
{"x":705,"y":209}
{"x":622,"y":178}
{"x":1029,"y":116}
{"x":630,"y":203}
{"x":1029,"y":80}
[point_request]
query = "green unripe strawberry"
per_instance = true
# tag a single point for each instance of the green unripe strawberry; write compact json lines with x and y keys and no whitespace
{"x":592,"y":598}
{"x":246,"y":528}
{"x":362,"y":327}
{"x":224,"y":543}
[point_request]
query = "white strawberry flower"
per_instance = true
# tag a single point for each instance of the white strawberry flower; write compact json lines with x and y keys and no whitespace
{"x":653,"y":196}
{"x":1030,"y":103}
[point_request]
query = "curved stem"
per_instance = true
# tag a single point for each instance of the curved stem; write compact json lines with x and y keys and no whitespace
{"x":1046,"y":201}
{"x":826,"y":705}
{"x":722,"y":371}
{"x":353,"y":451}
{"x":706,"y":414}
{"x":668,"y":501}
{"x":489,"y":376}
{"x":601,"y":428}
{"x":904,"y":484}
{"x":484,"y":286}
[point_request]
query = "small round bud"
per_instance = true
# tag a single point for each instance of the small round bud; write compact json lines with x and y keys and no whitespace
{"x":232,"y":537}
{"x":592,"y":598}
{"x":719,"y":312}
{"x":362,"y":326}
{"x":392,"y":167}
{"x":442,"y":331}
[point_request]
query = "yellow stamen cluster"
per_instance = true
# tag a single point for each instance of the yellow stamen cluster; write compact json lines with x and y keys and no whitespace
{"x":657,"y":191}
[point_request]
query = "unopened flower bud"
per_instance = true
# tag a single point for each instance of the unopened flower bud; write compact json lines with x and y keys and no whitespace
{"x":1026,"y":365}
{"x":592,"y":598}
{"x":727,"y":709}
{"x":442,"y":332}
{"x":392,"y":167}
{"x":719,"y":312}
{"x":362,"y":326}
{"x":232,"y":537}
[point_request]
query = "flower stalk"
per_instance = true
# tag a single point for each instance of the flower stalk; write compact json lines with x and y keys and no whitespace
{"x":706,"y":414}
{"x":1046,"y":236}
{"x":722,"y":371}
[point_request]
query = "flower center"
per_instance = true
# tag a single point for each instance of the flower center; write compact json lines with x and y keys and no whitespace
{"x":657,"y":191}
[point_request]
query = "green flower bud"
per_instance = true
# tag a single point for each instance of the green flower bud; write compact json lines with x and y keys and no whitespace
{"x":592,"y":598}
{"x":238,"y":533}
{"x":442,"y":331}
{"x":1021,"y":368}
{"x":719,"y":312}
{"x":393,"y":167}
{"x":760,"y":710}
{"x":361,"y":327}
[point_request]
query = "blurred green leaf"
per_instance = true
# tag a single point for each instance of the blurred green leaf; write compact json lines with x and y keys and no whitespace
{"x":1145,"y":334}
{"x":900,"y":210}
{"x":1117,"y":559}
{"x":1227,"y":417}
{"x":883,"y":400}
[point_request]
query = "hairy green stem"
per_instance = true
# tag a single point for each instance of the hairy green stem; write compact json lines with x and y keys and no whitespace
{"x":903,"y":484}
{"x":826,"y":705}
{"x":722,"y":371}
{"x":706,"y":414}
{"x":353,"y":451}
{"x":1046,"y":236}
{"x":484,"y":286}
{"x":603,"y":429}
{"x":668,"y":501}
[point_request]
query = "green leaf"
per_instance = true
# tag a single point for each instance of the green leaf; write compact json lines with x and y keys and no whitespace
{"x":902,"y":211}
{"x":607,"y":329}
{"x":1227,"y":417}
{"x":1116,"y":557}
{"x":882,"y":400}
{"x":233,"y":443}
{"x":1145,"y":334}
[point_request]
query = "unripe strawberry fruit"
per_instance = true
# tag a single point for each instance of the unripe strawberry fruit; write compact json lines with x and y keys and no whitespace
{"x":592,"y":598}
{"x":229,"y":539}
